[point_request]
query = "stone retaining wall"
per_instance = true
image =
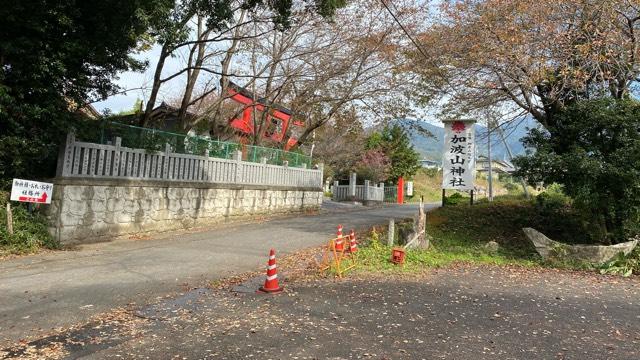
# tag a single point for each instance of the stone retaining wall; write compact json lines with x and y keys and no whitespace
{"x":84,"y":211}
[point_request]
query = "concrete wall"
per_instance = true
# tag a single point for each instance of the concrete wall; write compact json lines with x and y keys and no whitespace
{"x":84,"y":211}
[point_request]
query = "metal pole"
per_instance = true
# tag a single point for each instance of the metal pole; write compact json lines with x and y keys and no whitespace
{"x":524,"y":185}
{"x":490,"y":164}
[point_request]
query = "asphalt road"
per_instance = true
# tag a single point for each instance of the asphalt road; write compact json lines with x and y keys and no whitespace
{"x":41,"y":292}
{"x":462,"y":313}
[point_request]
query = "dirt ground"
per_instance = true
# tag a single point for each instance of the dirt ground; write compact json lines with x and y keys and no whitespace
{"x":462,"y":312}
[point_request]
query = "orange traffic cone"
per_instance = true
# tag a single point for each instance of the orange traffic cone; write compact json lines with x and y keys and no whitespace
{"x":353,"y":244}
{"x":271,"y":283}
{"x":339,"y":240}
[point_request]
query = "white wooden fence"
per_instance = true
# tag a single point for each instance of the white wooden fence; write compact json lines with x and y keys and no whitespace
{"x":89,"y":160}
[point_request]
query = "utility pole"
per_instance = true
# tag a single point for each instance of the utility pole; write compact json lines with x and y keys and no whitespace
{"x":504,"y":141}
{"x":489,"y":125}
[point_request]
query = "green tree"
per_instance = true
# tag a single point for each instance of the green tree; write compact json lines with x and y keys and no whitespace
{"x":54,"y":57}
{"x":135,"y":109}
{"x":395,"y":144}
{"x":594,"y":151}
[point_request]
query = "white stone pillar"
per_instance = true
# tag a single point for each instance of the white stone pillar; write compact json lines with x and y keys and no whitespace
{"x":352,"y":186}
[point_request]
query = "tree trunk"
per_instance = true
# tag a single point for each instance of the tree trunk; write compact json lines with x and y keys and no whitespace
{"x":144,"y":120}
{"x":192,"y":78}
{"x":224,"y":78}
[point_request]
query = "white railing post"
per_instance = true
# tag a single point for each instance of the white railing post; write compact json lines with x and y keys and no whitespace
{"x":165,"y":164}
{"x":287,"y":172}
{"x":116,"y":157}
{"x":320,"y":175}
{"x":237,"y":156}
{"x":365,"y":195}
{"x":264,"y":175}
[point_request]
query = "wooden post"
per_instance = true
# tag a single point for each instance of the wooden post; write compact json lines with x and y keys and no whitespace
{"x":400,"y":190}
{"x":421,"y":227}
{"x":391,"y":232}
{"x":9,"y":219}
{"x":471,"y":200}
{"x":419,"y":237}
{"x":444,"y":195}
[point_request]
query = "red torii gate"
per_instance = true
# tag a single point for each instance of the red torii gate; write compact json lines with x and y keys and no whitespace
{"x":279,"y":118}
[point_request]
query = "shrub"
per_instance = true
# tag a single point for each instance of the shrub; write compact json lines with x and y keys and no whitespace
{"x":623,"y":265}
{"x":454,"y":199}
{"x":30,"y":230}
{"x":511,"y":187}
{"x":552,"y":200}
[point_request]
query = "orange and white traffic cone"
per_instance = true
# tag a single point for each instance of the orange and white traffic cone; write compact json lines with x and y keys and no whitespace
{"x":271,"y":283}
{"x":353,"y":244}
{"x":339,"y":240}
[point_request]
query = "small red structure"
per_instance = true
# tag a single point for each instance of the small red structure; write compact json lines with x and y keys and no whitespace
{"x":271,"y":285}
{"x":279,"y":119}
{"x":397,"y":256}
{"x":400,"y":190}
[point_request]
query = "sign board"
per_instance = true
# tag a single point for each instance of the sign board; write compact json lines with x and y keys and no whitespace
{"x":458,"y":156}
{"x":31,"y":191}
{"x":409,"y":188}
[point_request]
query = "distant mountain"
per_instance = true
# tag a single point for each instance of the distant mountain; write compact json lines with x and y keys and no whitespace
{"x":428,"y":139}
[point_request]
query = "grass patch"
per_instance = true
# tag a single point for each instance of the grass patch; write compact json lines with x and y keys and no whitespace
{"x":30,"y":230}
{"x":461,"y":233}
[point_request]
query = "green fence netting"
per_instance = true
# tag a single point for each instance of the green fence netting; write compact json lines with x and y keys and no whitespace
{"x":155,"y":140}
